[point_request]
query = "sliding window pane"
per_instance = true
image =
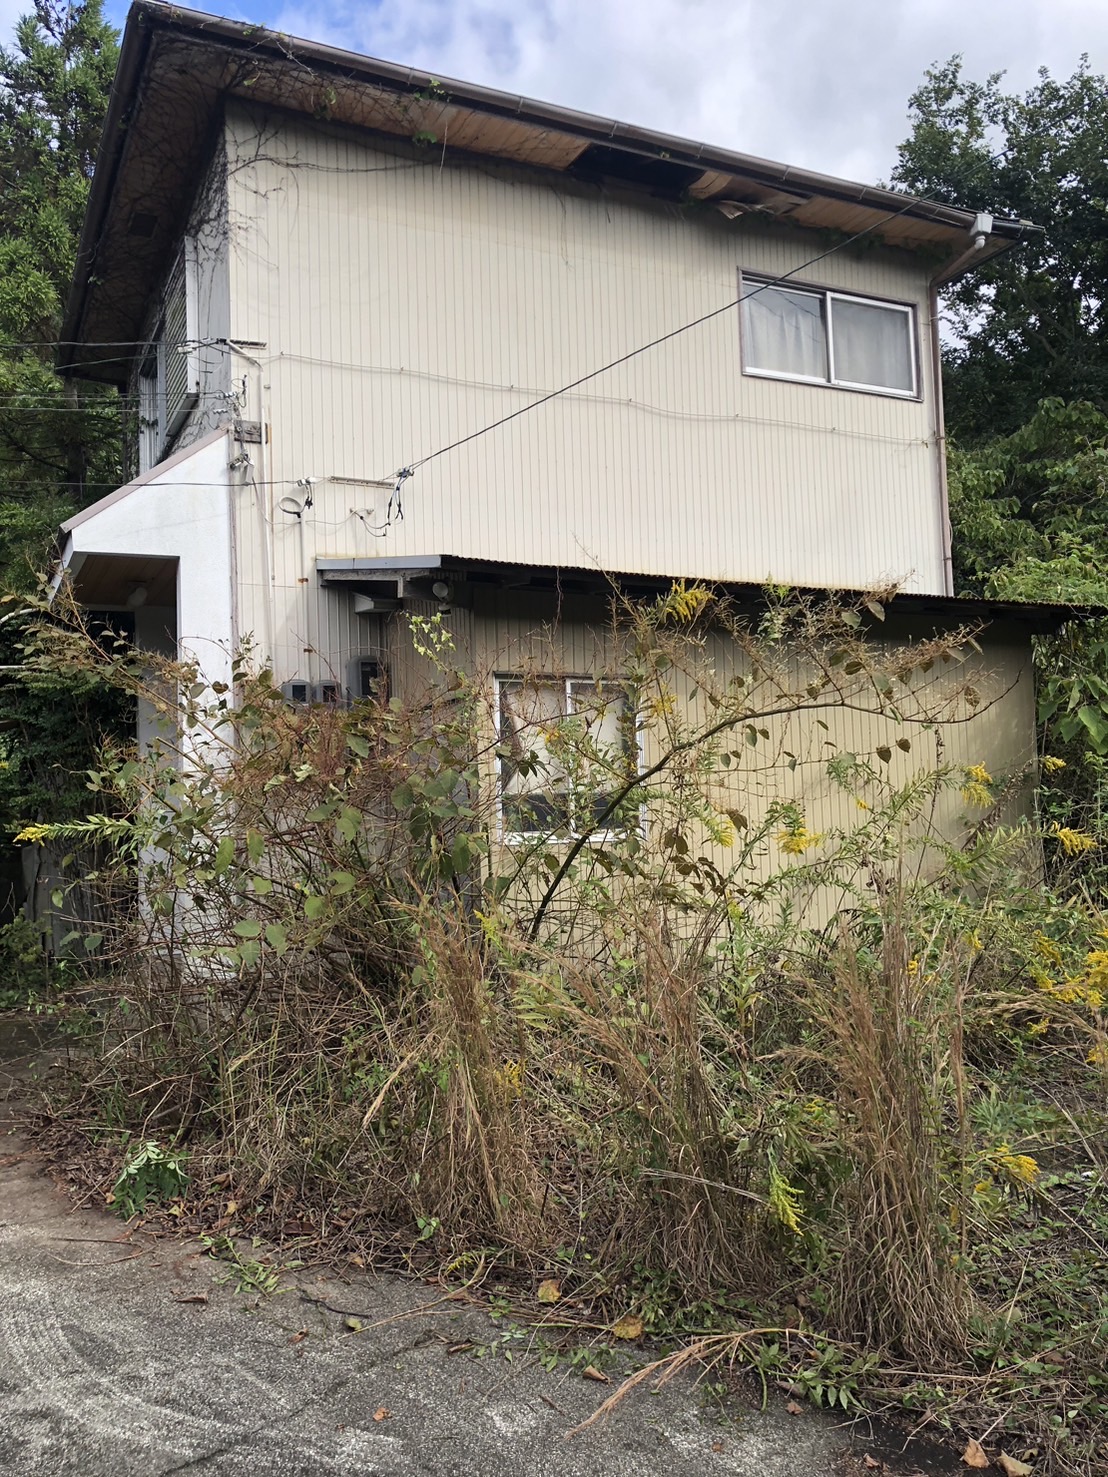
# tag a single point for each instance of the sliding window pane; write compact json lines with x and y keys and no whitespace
{"x":872,"y":345}
{"x":783,"y":331}
{"x":533,"y":781}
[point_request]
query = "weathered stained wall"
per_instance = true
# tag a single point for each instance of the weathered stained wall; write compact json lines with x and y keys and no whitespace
{"x":395,"y":301}
{"x":504,"y":633}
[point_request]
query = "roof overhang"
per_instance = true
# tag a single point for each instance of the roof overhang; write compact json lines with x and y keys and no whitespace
{"x":397,"y":578}
{"x":178,"y":68}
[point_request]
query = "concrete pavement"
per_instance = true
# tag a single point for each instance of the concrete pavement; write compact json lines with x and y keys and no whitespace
{"x":107,"y":1369}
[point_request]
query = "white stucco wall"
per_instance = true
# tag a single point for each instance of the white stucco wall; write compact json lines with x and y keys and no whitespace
{"x":181,"y":511}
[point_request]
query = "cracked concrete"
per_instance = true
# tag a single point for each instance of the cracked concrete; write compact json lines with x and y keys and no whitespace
{"x":106,"y":1372}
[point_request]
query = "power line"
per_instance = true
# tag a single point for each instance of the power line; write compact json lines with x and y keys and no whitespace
{"x":405,"y":472}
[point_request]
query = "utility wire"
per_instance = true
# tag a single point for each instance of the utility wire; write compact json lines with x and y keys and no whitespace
{"x":405,"y":472}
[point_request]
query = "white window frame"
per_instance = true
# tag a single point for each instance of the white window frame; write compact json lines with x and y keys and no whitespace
{"x":568,"y":684}
{"x":827,"y":296}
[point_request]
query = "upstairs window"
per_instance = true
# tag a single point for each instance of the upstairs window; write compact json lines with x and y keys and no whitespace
{"x":169,"y":376}
{"x":566,"y":748}
{"x":829,"y":338}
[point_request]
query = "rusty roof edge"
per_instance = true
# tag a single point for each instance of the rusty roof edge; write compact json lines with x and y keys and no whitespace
{"x":147,"y":16}
{"x":1047,"y":612}
{"x":554,"y":115}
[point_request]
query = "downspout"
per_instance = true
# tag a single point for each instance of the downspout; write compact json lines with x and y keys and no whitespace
{"x":980,"y":230}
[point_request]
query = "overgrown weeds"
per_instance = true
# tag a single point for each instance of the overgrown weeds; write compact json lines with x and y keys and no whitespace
{"x":692,"y":1045}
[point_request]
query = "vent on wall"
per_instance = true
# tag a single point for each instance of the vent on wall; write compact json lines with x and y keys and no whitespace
{"x":367,"y":683}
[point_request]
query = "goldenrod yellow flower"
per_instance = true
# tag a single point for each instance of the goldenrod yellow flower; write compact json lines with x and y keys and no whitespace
{"x":861,"y":804}
{"x":511,"y":1079}
{"x":1074,"y":842}
{"x":798,"y":840}
{"x":1021,"y":1169}
{"x":1050,"y":764}
{"x":1039,"y":1028}
{"x":33,"y":833}
{"x":979,"y":773}
{"x":1046,"y":948}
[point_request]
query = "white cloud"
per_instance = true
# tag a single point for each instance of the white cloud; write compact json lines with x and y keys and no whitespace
{"x":818,"y":83}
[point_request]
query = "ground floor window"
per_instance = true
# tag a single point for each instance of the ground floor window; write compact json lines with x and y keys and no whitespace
{"x":566,"y":747}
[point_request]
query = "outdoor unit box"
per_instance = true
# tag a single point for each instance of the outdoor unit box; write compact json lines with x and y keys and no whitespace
{"x":298,"y":693}
{"x":368,"y":679}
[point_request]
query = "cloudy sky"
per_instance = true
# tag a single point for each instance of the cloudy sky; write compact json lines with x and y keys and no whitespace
{"x":818,"y":83}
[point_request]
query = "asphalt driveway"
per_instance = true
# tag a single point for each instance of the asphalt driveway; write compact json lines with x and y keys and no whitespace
{"x":125,"y":1355}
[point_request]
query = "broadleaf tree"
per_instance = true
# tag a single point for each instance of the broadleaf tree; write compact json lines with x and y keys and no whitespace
{"x":60,"y":442}
{"x":1026,"y":379}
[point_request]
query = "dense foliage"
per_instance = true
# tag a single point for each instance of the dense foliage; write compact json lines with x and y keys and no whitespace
{"x":1027,"y":388}
{"x":1033,"y":322}
{"x":59,"y":441}
{"x":731,"y":1072}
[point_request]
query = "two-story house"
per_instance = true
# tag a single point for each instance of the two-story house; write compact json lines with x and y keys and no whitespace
{"x":388,"y":339}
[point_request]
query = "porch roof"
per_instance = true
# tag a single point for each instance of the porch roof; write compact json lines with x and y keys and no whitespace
{"x":393,"y":576}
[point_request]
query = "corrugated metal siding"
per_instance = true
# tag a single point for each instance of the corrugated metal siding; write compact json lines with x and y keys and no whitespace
{"x":507,"y":633}
{"x":403,"y":303}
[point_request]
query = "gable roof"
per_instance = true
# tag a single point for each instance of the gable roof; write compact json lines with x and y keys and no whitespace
{"x":178,"y":67}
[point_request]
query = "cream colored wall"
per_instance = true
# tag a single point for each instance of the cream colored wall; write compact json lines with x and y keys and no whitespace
{"x":394,"y":303}
{"x":507,"y":633}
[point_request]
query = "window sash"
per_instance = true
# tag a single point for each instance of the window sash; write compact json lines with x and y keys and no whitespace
{"x":756,"y":323}
{"x":543,"y":801}
{"x":169,"y":379}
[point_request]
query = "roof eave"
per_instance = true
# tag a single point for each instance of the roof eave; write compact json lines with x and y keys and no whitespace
{"x":146,"y":17}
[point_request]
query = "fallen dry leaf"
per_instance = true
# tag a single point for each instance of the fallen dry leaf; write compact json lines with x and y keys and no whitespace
{"x":232,"y":1206}
{"x":353,"y":1324}
{"x":628,"y":1327}
{"x":717,"y":1445}
{"x":549,"y":1291}
{"x":192,"y":1297}
{"x":356,"y":1259}
{"x":793,"y":1408}
{"x":974,"y":1454}
{"x":590,"y":1372}
{"x":871,"y":1462}
{"x":382,"y":1413}
{"x":298,"y":1338}
{"x":1013,"y":1468}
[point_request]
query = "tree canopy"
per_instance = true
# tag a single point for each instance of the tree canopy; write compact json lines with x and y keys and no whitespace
{"x":60,"y":444}
{"x":1026,"y":377}
{"x":1033,"y":322}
